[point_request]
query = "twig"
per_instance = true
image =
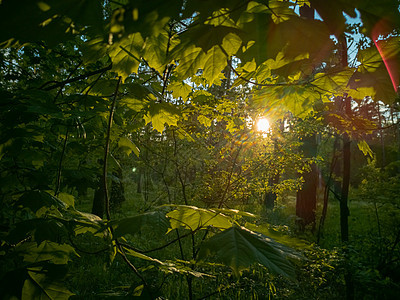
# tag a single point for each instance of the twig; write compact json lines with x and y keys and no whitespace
{"x":69,"y":76}
{"x":62,"y":83}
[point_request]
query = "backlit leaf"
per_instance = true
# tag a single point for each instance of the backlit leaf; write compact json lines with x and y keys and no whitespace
{"x":128,"y":146}
{"x":156,"y":49}
{"x":190,"y":61}
{"x":160,"y":114}
{"x":194,"y":218}
{"x":365,"y":149}
{"x":239,"y":248}
{"x":215,"y":62}
{"x":126,"y":54}
{"x":231,"y":43}
{"x":180,"y":89}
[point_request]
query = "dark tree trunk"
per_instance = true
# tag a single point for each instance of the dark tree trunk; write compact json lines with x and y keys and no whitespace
{"x":270,"y":197}
{"x":117,"y":190}
{"x":344,"y":209}
{"x":306,"y":199}
{"x":139,"y":181}
{"x":98,"y":199}
{"x":328,"y":184}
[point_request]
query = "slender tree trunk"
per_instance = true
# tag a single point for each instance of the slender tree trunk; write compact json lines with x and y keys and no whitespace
{"x":326,"y":191}
{"x":139,"y":181}
{"x":270,"y":197}
{"x":306,"y":198}
{"x":117,"y":190}
{"x":98,"y":199}
{"x":381,"y":132}
{"x":344,"y":209}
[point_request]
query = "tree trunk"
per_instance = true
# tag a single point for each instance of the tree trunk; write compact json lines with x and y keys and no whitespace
{"x":344,"y":209}
{"x":270,"y":197}
{"x":98,"y":199}
{"x":117,"y":190}
{"x":306,"y":199}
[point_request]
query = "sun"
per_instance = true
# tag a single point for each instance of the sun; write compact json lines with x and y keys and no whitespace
{"x":262,"y":125}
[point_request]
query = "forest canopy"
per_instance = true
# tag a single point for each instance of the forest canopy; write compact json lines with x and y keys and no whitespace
{"x":190,"y":149}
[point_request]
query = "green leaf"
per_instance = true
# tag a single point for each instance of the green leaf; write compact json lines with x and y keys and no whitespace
{"x":38,"y":199}
{"x":231,"y":43}
{"x":41,"y":229}
{"x":167,"y":266}
{"x":128,"y":146}
{"x":133,"y":253}
{"x":239,"y":248}
{"x":297,"y":99}
{"x":365,"y":148}
{"x":46,"y":251}
{"x":208,"y":36}
{"x":215,"y":62}
{"x":126,"y":54}
{"x":156,"y":49}
{"x":94,"y":49}
{"x":66,"y":198}
{"x":279,"y":236}
{"x":190,"y":61}
{"x":378,"y":74}
{"x":156,"y":220}
{"x":40,"y":286}
{"x":194,"y":218}
{"x":333,"y":83}
{"x":235,"y":212}
{"x":160,"y":114}
{"x":220,"y":18}
{"x":204,"y":120}
{"x":180,"y":89}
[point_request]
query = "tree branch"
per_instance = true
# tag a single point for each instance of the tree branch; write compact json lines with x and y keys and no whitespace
{"x":62,"y":83}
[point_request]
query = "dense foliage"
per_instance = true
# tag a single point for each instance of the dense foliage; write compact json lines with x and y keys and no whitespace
{"x":131,"y":166}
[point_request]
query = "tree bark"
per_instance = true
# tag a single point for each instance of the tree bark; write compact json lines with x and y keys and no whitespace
{"x":270,"y":197}
{"x":306,"y":198}
{"x":98,"y":199}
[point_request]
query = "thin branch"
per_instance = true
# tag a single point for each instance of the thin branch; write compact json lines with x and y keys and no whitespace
{"x":62,"y":83}
{"x":107,"y":200}
{"x":69,"y":77}
{"x":94,"y":83}
{"x":230,"y":177}
{"x":133,"y":268}
{"x":107,"y":150}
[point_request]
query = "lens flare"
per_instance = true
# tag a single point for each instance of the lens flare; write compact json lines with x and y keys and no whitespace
{"x":262,"y":125}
